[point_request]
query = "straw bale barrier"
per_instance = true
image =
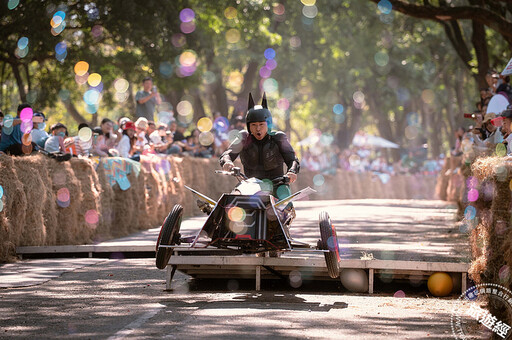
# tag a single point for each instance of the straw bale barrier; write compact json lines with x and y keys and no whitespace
{"x":96,"y":210}
{"x":491,"y":235}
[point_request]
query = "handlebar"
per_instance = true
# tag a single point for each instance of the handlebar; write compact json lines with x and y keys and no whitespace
{"x":235,"y":171}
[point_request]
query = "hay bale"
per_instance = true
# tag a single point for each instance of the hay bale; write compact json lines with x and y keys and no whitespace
{"x":91,"y":190}
{"x":13,"y":215}
{"x":50,"y":202}
{"x":105,"y":206}
{"x":68,"y":224}
{"x":34,"y":231}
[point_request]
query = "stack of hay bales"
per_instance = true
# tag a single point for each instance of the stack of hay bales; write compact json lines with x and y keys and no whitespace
{"x":491,"y":239}
{"x":96,"y":211}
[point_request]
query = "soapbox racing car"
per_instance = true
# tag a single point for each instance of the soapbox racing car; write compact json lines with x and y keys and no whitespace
{"x":249,"y":220}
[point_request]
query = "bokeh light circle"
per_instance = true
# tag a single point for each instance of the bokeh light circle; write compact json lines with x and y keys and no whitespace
{"x":233,"y":36}
{"x":271,"y":64}
{"x":236,"y":214}
{"x":501,"y":150}
{"x":26,"y":139}
{"x":63,"y":195}
{"x":234,"y":136}
{"x":308,"y":2}
{"x":206,"y":138}
{"x":61,"y":47}
{"x":91,"y":217}
{"x":358,"y":97}
{"x":470,"y":212}
{"x":270,"y":53}
{"x":91,"y":97}
{"x":188,"y":27}
{"x":188,"y":58}
{"x":204,"y":124}
{"x":472,"y":195}
{"x":310,"y":11}
{"x":85,"y":134}
{"x":283,"y":104}
{"x":230,"y":12}
{"x":121,"y":85}
{"x":385,"y":6}
{"x":1,"y":192}
{"x":221,"y":124}
{"x":318,"y":180}
{"x":22,"y":43}
{"x":381,"y":58}
{"x":94,"y":79}
{"x":184,"y":108}
{"x":187,"y":15}
{"x":265,"y":72}
{"x":338,"y":109}
{"x":270,"y":85}
{"x":26,"y":114}
{"x":12,"y":4}
{"x":81,"y":68}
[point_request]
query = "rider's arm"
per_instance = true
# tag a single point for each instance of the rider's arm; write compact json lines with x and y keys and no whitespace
{"x":290,"y":159}
{"x":234,"y":149}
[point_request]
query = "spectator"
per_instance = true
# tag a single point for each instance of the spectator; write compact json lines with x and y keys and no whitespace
{"x":55,"y":143}
{"x":106,"y":138}
{"x":39,"y":135}
{"x":459,"y":134}
{"x":506,"y":129}
{"x":141,"y":126}
{"x":126,"y":145}
{"x":179,"y":133}
{"x":11,"y":141}
{"x":151,"y":128}
{"x":147,"y":99}
{"x":82,"y":147}
{"x":163,"y":142}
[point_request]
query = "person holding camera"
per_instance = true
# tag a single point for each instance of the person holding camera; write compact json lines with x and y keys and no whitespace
{"x":147,"y":99}
{"x":11,"y":137}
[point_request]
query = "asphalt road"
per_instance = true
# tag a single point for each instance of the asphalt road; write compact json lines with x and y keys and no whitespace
{"x":126,"y":298}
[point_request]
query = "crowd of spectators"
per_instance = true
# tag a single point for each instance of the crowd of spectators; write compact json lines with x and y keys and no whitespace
{"x":366,"y":159}
{"x":490,"y":131}
{"x":124,"y":138}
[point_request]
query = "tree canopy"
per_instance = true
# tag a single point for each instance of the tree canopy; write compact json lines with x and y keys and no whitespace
{"x":329,"y":68}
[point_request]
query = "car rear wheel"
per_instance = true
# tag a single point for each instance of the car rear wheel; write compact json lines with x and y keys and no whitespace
{"x":169,"y":235}
{"x":329,"y":242}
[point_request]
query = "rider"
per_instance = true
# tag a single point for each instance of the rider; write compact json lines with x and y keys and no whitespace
{"x":262,"y":151}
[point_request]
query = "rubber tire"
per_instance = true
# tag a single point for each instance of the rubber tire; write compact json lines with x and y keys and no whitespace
{"x":170,"y":229}
{"x":332,"y":258}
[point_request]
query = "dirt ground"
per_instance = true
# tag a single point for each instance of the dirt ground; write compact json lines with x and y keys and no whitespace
{"x":126,"y":298}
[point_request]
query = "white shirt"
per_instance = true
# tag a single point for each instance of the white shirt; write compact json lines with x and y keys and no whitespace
{"x":124,"y":147}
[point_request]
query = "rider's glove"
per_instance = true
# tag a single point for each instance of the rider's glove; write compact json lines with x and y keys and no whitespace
{"x":228,"y":166}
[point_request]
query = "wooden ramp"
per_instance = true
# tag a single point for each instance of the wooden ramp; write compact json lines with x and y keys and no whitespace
{"x":204,"y":263}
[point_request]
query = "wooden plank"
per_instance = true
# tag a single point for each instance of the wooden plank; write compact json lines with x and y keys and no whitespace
{"x":319,"y":262}
{"x":84,"y":249}
{"x":258,"y":278}
{"x":370,"y":281}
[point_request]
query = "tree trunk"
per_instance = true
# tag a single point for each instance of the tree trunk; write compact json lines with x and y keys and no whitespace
{"x":198,"y":105}
{"x":70,"y":107}
{"x":19,"y":82}
{"x":247,"y":86}
{"x":480,"y":44}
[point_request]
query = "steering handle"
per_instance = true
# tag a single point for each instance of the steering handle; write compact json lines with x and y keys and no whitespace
{"x":235,"y":171}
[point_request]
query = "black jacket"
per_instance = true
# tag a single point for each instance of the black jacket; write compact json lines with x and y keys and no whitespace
{"x":265,"y":158}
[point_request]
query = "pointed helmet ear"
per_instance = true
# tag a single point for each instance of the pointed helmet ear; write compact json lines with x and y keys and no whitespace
{"x":251,"y":102}
{"x":264,"y":101}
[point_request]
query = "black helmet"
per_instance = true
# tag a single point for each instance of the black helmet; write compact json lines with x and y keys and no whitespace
{"x":258,"y":113}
